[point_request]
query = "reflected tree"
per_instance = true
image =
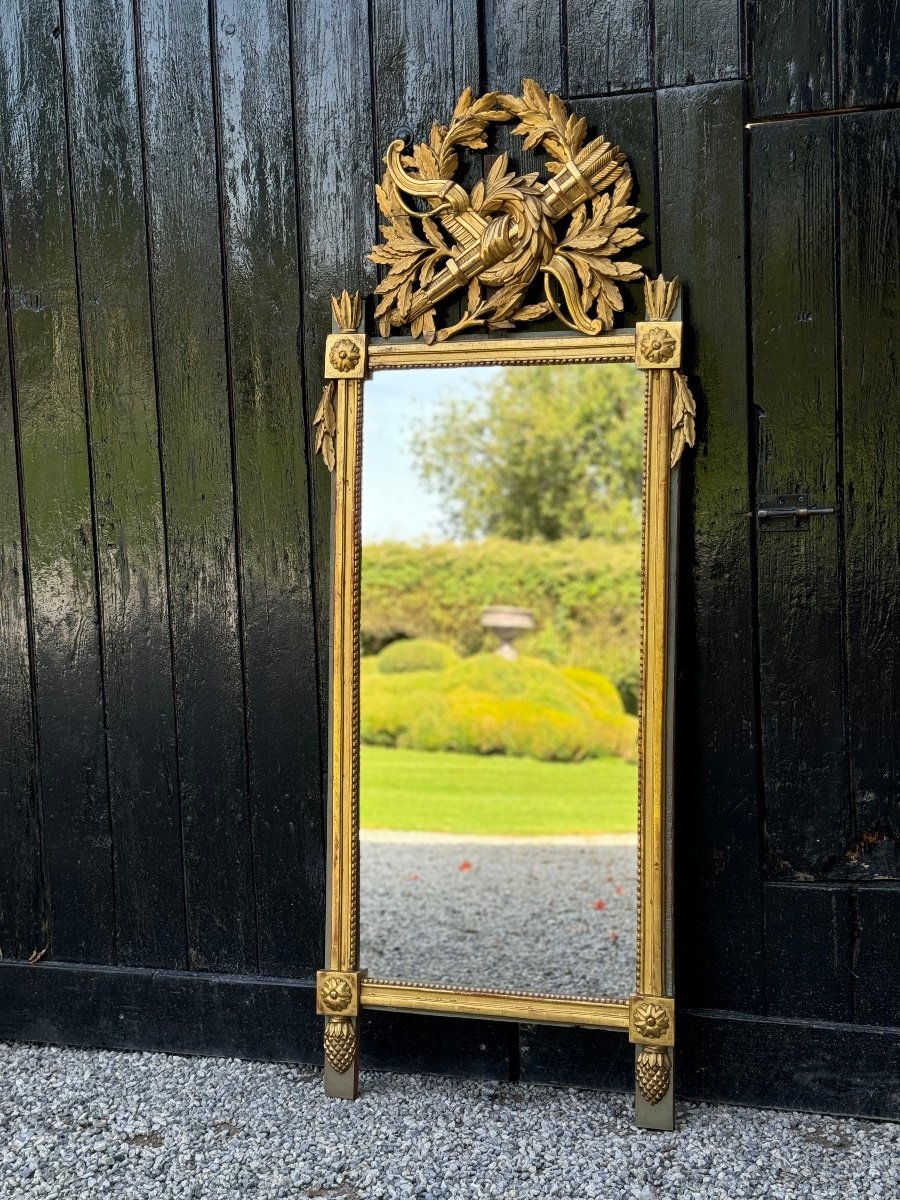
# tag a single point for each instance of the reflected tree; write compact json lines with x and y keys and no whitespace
{"x":540,"y":454}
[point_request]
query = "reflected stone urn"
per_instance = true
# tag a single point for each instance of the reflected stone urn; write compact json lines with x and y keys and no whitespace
{"x":507,"y":623}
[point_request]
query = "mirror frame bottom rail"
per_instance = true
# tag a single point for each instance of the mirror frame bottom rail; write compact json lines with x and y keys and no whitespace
{"x":530,"y":1007}
{"x":343,"y":988}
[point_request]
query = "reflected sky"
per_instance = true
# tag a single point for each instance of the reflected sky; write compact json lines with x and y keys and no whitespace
{"x":396,"y":505}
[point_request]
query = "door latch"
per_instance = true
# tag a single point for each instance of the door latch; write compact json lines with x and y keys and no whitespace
{"x":787,"y":514}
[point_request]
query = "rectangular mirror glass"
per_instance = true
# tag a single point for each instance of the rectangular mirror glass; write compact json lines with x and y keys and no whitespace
{"x":500,"y":636}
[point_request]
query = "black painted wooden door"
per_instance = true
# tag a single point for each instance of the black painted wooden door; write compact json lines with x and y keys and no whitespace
{"x":183,"y":184}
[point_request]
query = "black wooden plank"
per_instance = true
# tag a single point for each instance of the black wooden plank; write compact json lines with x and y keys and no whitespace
{"x":597,"y":1058}
{"x":436,"y":1045}
{"x":523,"y":40}
{"x":791,"y":48}
{"x":424,"y":52}
{"x":333,"y":131}
{"x":799,"y":574}
{"x":173,"y":1011}
{"x":108,"y":197}
{"x":869,"y":199}
{"x":230,"y":1016}
{"x":192,"y":372}
{"x":257,"y":143}
{"x":609,"y":43}
{"x":630,"y":123}
{"x":23,"y":928}
{"x":717,"y":821}
{"x":811,"y":1066}
{"x":56,"y":478}
{"x":468,"y":43}
{"x":698,"y":41}
{"x":876,"y":964}
{"x":868,"y":49}
{"x":809,"y":943}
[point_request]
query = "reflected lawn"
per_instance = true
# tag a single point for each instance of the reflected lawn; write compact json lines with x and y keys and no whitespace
{"x":469,"y":793}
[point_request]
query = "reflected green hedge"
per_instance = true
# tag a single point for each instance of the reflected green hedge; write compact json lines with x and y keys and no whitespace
{"x":487,"y":705}
{"x":585,"y":595}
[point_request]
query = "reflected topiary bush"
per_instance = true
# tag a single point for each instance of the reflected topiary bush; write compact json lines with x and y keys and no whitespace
{"x":487,"y":705}
{"x":415,"y":654}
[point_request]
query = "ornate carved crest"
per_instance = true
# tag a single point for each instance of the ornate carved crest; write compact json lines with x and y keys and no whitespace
{"x":509,"y":230}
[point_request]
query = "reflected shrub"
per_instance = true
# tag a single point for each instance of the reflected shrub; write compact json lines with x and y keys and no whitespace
{"x":415,"y":654}
{"x":596,"y":689}
{"x":488,"y":705}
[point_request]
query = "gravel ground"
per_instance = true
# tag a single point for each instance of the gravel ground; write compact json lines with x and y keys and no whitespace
{"x":533,"y":916}
{"x":83,"y":1125}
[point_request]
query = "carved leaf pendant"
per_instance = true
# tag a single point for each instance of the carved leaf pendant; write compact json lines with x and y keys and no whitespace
{"x":652,"y":1073}
{"x":340,"y":1043}
{"x":325,"y":425}
{"x":684,"y":412}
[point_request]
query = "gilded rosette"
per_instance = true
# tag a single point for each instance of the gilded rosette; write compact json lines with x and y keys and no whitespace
{"x":337,"y":993}
{"x":652,"y":1019}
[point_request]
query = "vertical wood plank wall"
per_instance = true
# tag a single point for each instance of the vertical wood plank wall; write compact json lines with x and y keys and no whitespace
{"x":183,"y":184}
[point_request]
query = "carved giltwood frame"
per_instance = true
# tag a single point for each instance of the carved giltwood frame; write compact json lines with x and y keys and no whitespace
{"x":654,"y":345}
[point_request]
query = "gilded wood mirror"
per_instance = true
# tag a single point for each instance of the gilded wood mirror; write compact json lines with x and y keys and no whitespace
{"x":503,"y":602}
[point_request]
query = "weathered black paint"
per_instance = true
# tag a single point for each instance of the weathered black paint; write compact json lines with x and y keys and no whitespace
{"x":188,"y":268}
{"x":719,"y":924}
{"x":609,"y":46}
{"x":22,"y":913}
{"x":130,"y":545}
{"x":54,"y":478}
{"x":868,"y":203}
{"x":794,"y":304}
{"x":183,"y":184}
{"x":260,"y":231}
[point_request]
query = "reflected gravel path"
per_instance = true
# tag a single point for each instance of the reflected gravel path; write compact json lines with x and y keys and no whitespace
{"x":83,"y":1125}
{"x":523,"y":916}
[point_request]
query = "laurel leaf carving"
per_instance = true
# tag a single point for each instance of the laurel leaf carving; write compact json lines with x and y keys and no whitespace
{"x":684,"y":414}
{"x":325,"y":424}
{"x":532,"y":312}
{"x":411,"y":259}
{"x":467,"y":127}
{"x":543,"y":120}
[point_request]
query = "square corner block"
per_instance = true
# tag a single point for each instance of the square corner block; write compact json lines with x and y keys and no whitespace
{"x":658,"y":345}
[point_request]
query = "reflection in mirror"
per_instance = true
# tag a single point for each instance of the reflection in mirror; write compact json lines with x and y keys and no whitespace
{"x":500,"y":675}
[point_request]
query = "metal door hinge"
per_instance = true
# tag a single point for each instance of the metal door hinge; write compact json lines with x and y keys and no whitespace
{"x":787,"y":514}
